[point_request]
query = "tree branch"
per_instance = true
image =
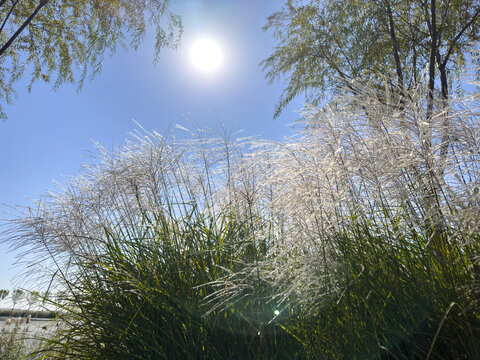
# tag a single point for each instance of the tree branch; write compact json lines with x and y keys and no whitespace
{"x":8,"y":15}
{"x":24,"y":25}
{"x":459,"y":35}
{"x":395,"y":45}
{"x":442,"y":23}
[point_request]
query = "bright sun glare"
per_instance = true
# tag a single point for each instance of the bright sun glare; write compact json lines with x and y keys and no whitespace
{"x":206,"y":55}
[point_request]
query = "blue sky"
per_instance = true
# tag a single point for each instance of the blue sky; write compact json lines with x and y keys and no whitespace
{"x":48,"y":134}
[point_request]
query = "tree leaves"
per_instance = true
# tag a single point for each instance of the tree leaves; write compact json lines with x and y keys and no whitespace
{"x":324,"y":44}
{"x":66,"y":41}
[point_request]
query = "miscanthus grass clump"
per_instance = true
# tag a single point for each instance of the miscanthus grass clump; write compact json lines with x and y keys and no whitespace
{"x":356,"y":238}
{"x":133,"y":249}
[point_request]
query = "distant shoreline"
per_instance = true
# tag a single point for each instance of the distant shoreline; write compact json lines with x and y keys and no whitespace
{"x":8,"y":313}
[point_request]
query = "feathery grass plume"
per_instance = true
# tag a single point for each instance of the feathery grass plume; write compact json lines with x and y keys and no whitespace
{"x":361,"y":162}
{"x":356,"y":238}
{"x":376,"y":213}
{"x":136,"y":245}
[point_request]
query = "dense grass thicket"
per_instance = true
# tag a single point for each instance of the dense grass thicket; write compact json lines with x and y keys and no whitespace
{"x":356,"y":238}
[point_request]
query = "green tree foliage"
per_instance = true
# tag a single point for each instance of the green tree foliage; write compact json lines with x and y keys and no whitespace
{"x":3,"y":294}
{"x":17,"y":296}
{"x":66,"y":41}
{"x":322,"y":44}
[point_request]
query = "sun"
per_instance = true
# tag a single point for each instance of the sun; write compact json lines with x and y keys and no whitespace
{"x":206,"y":55}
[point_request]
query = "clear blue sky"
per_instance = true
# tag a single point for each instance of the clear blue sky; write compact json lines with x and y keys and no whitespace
{"x":48,"y":134}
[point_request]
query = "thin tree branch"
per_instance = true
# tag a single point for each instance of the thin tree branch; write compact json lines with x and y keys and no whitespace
{"x":442,"y":23}
{"x":8,"y":15}
{"x":24,"y":25}
{"x":395,"y":45}
{"x":459,"y":35}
